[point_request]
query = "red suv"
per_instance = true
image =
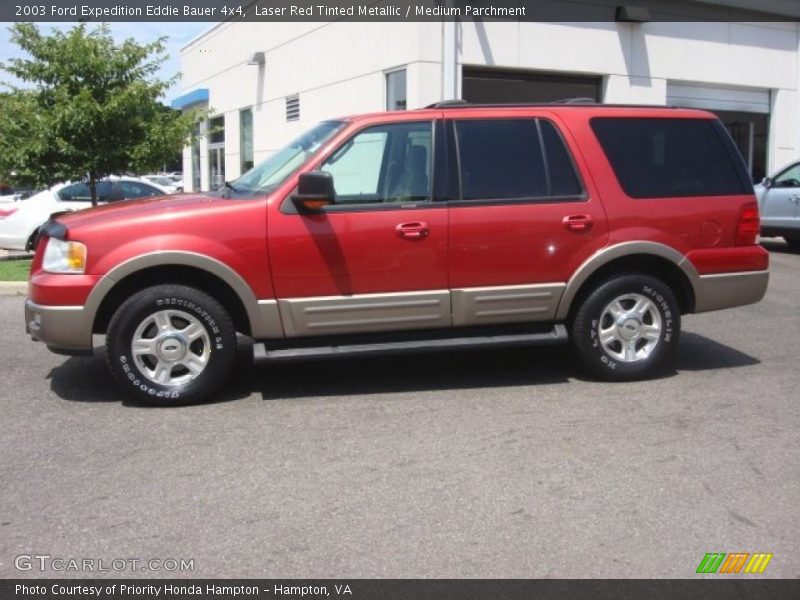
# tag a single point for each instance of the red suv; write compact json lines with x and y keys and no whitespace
{"x":455,"y":226}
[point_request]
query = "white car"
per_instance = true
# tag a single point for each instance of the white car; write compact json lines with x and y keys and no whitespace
{"x":20,"y":221}
{"x":167,"y":182}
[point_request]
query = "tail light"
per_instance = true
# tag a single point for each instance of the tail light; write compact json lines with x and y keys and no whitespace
{"x":749,"y":225}
{"x":7,"y":212}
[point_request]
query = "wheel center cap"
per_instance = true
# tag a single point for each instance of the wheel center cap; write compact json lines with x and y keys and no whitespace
{"x":171,"y":348}
{"x":629,"y":328}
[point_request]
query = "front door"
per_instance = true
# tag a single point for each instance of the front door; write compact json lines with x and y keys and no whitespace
{"x":376,"y":259}
{"x":524,"y":222}
{"x":780,"y":208}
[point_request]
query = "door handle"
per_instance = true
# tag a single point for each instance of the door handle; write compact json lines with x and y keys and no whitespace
{"x":794,"y":198}
{"x":578,"y":222}
{"x":414,"y":230}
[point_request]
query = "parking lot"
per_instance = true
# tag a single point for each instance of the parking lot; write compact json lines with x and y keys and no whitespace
{"x":489,"y":464}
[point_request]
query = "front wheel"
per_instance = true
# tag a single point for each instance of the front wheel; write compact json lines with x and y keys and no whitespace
{"x":627,"y":327}
{"x":170,"y":345}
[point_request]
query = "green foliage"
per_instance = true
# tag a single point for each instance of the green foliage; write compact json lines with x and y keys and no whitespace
{"x":90,"y":107}
{"x":14,"y":270}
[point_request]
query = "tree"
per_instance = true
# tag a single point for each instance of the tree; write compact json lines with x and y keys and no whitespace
{"x":90,"y":108}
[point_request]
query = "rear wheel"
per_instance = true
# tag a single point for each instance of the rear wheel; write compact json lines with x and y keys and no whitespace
{"x":171,"y":344}
{"x":627,"y":327}
{"x":793,"y":241}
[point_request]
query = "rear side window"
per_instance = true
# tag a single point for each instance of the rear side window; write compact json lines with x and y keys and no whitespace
{"x":79,"y":192}
{"x":662,"y":157}
{"x":507,"y":159}
{"x":500,"y":159}
{"x":563,"y":179}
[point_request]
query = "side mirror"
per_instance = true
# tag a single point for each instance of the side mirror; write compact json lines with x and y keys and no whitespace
{"x":314,"y":191}
{"x":766,"y":182}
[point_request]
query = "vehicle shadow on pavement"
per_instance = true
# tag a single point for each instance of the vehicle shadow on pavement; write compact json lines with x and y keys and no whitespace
{"x":464,"y":370}
{"x":413,"y":373}
{"x":699,"y":353}
{"x":86,"y":379}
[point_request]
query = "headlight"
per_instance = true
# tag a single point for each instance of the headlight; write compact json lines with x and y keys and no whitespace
{"x":64,"y":257}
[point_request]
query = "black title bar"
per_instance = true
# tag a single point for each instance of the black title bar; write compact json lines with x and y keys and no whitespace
{"x":634,"y":11}
{"x":400,"y":589}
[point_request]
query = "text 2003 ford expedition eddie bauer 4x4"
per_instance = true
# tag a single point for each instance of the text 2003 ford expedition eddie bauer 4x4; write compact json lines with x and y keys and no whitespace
{"x":450,"y":227}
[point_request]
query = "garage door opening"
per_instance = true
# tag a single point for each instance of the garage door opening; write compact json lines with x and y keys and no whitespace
{"x":509,"y":86}
{"x":744,"y":111}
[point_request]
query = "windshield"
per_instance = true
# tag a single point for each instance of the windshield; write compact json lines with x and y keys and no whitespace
{"x":268,"y":175}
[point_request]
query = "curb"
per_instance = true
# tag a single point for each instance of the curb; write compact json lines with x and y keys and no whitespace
{"x":13,"y":288}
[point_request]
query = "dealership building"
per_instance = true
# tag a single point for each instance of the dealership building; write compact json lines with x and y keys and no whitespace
{"x":266,"y":82}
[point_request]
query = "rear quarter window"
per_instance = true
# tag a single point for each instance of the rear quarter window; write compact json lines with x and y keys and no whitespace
{"x":663,"y":157}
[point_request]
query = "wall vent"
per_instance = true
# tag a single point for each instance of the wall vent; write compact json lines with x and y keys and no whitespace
{"x":293,"y":108}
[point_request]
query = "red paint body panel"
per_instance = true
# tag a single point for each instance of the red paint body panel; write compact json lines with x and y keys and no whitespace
{"x":230,"y":231}
{"x":53,"y":289}
{"x":729,"y":260}
{"x":340,"y":254}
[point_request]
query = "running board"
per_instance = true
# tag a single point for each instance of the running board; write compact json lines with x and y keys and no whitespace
{"x":557,"y":335}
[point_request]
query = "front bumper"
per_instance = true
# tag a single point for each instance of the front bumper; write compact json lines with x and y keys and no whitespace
{"x":725,"y":290}
{"x":65,"y":329}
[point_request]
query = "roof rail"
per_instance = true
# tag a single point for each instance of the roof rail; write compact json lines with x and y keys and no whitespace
{"x":582,"y":100}
{"x":452,"y":103}
{"x":458,"y":103}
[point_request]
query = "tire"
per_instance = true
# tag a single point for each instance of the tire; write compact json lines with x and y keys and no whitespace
{"x":186,"y":346}
{"x":627,"y":328}
{"x":793,"y":241}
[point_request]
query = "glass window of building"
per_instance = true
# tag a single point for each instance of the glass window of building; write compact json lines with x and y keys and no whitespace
{"x":396,"y":90}
{"x":246,"y":139}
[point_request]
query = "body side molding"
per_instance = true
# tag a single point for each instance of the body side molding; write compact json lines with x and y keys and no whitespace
{"x":505,"y":304}
{"x":363,"y":313}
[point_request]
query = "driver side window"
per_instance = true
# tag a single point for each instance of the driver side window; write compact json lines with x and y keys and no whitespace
{"x":386,"y":163}
{"x":789,"y":178}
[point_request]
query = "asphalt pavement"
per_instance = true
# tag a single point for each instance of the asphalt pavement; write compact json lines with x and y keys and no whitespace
{"x":488,"y":464}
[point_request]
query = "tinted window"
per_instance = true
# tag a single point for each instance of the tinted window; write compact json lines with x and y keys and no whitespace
{"x":500,"y":159}
{"x":563,"y":179}
{"x":79,"y":192}
{"x":387,"y":163}
{"x":655,"y":158}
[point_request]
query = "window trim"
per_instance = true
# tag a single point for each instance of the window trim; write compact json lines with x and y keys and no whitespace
{"x":460,"y":201}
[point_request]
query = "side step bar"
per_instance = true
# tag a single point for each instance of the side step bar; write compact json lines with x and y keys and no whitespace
{"x":558,"y":335}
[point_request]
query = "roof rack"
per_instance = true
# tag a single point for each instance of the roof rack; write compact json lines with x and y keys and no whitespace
{"x":459,"y":103}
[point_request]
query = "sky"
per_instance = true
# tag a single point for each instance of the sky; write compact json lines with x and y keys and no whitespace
{"x":178,"y":34}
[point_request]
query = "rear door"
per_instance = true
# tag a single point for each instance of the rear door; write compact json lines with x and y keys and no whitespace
{"x":524,"y":219}
{"x":376,"y":259}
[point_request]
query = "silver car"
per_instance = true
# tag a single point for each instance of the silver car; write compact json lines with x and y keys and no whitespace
{"x":779,"y":203}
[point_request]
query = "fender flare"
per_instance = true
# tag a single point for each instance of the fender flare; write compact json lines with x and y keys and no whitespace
{"x":262,"y":314}
{"x":609,"y":253}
